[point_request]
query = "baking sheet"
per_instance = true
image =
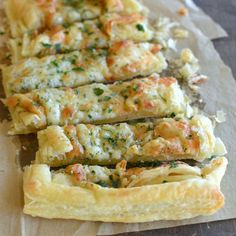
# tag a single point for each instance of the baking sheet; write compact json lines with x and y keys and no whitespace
{"x":218,"y":93}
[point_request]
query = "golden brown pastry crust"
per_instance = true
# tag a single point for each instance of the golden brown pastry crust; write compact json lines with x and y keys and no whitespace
{"x":167,"y":201}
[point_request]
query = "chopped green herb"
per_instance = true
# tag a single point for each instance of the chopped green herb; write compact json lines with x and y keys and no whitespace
{"x":2,"y":33}
{"x":98,"y":91}
{"x":164,"y":181}
{"x":91,"y":49}
{"x":106,"y":98}
{"x":172,"y":115}
{"x":76,"y":91}
{"x":145,"y":164}
{"x":173,"y":164}
{"x":78,"y":68}
{"x":211,"y":158}
{"x":73,"y":61}
{"x":66,"y":50}
{"x":136,"y":87}
{"x":103,"y":53}
{"x":99,"y":25}
{"x":112,"y":141}
{"x":89,"y":116}
{"x":58,"y":47}
{"x":162,"y":98}
{"x":109,"y":110}
{"x":46,"y":45}
{"x":54,"y":63}
{"x":102,"y":184}
{"x":140,"y":27}
{"x":66,"y":25}
{"x":115,"y":183}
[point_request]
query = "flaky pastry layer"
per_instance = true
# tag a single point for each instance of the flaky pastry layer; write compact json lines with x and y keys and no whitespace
{"x":62,"y":195}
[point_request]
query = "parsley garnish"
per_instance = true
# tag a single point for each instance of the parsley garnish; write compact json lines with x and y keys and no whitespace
{"x":91,"y":49}
{"x":173,"y":164}
{"x":102,"y":184}
{"x":106,"y":98}
{"x":112,"y":141}
{"x":78,"y":68}
{"x":172,"y":115}
{"x":66,"y":25}
{"x":211,"y":158}
{"x":103,"y":53}
{"x":2,"y":33}
{"x":115,"y":183}
{"x":54,"y":63}
{"x":73,"y":61}
{"x":136,"y":87}
{"x":162,"y":98}
{"x":58,"y":47}
{"x":46,"y":45}
{"x":98,"y":91}
{"x":140,"y":27}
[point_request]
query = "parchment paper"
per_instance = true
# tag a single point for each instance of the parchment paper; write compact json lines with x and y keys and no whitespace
{"x":218,"y":94}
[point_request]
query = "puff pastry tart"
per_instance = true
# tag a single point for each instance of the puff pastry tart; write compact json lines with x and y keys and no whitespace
{"x":97,"y":103}
{"x":169,"y":192}
{"x":88,"y":34}
{"x":162,"y":139}
{"x":28,"y":15}
{"x":123,"y":60}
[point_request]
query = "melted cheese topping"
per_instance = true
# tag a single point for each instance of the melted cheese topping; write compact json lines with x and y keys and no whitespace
{"x":88,"y":34}
{"x":120,"y":27}
{"x":164,"y":139}
{"x":124,"y":60}
{"x":96,"y":103}
{"x":46,"y":14}
{"x":79,"y":175}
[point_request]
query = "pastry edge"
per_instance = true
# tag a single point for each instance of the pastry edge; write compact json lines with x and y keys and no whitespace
{"x":168,"y":201}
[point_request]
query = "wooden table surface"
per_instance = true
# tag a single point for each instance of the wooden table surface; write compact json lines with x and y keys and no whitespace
{"x":223,"y":12}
